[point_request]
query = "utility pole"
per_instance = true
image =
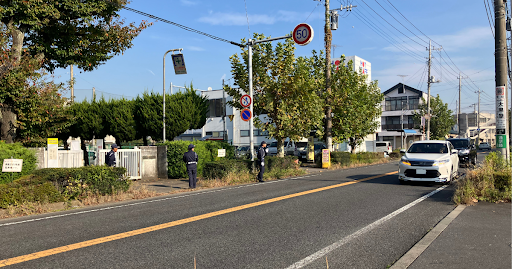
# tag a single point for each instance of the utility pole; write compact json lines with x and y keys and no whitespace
{"x":72,"y":79}
{"x":163,"y":117}
{"x":430,"y":80}
{"x":501,"y":78}
{"x":460,"y":88}
{"x":478,"y":118}
{"x":457,"y":109}
{"x":328,"y":108}
{"x":331,"y":18}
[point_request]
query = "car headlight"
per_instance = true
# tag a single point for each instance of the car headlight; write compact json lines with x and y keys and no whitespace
{"x":405,"y":161}
{"x":441,"y":162}
{"x":464,"y":152}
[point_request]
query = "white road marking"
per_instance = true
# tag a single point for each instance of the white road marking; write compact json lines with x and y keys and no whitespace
{"x":321,"y":253}
{"x":150,"y":201}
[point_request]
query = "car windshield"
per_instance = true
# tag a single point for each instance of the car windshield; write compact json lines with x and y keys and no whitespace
{"x":428,"y":148}
{"x":319,"y":146}
{"x":459,"y":144}
{"x":301,"y":144}
{"x":244,"y":148}
{"x":273,"y":144}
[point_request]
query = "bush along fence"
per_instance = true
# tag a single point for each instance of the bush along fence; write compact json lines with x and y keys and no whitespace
{"x":63,"y":184}
{"x":345,"y":159}
{"x":206,"y":150}
{"x":490,"y":182}
{"x":234,"y":171}
{"x":16,"y":151}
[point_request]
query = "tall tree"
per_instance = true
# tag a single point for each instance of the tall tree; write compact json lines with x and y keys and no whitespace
{"x":441,"y":121}
{"x":54,"y":34}
{"x":284,"y":89}
{"x":119,"y":120}
{"x":356,"y":105}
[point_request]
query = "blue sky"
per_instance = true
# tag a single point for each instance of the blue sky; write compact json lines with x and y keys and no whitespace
{"x":461,"y":27}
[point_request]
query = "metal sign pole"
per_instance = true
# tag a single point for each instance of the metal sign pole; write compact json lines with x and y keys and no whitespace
{"x":163,"y":118}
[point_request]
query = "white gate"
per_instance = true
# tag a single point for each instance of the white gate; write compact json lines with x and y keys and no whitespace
{"x":70,"y":158}
{"x":131,"y":159}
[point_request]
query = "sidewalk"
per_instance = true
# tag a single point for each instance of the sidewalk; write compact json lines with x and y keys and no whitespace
{"x":479,"y":237}
{"x":164,"y":185}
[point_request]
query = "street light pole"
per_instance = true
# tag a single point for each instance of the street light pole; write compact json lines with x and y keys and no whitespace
{"x":251,"y":43}
{"x":163,"y":118}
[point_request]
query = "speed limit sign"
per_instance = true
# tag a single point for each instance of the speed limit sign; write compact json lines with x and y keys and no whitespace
{"x":303,"y":34}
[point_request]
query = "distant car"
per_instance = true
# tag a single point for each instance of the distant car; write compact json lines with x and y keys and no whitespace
{"x":430,"y":160}
{"x":272,"y":149}
{"x":242,"y":151}
{"x":383,"y":146}
{"x":484,"y":146}
{"x":467,"y":151}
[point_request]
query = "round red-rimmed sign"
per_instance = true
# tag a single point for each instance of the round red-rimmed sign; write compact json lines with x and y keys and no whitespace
{"x":245,"y":101}
{"x":303,"y":34}
{"x":245,"y":114}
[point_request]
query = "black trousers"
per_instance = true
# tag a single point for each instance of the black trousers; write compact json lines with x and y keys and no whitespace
{"x":262,"y":170}
{"x":192,"y":177}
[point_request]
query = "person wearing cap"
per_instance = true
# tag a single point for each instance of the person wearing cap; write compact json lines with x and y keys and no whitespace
{"x":190,"y":158}
{"x":262,"y":152}
{"x":110,"y":159}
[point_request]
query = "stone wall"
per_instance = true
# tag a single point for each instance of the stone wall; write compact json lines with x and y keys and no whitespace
{"x":154,"y":162}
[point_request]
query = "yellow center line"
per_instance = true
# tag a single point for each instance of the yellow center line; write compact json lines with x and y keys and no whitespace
{"x":118,"y":236}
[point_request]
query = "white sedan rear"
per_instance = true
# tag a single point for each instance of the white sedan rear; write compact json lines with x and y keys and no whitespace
{"x":432,"y":160}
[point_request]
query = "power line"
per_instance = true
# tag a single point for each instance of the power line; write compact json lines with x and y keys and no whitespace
{"x":412,"y":23}
{"x":175,"y":24}
{"x":400,"y":22}
{"x":390,"y":23}
{"x":488,"y":19}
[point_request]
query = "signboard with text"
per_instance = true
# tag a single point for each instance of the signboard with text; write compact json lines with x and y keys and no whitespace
{"x":501,"y":118}
{"x":12,"y":165}
{"x":179,"y":64}
{"x":52,"y":153}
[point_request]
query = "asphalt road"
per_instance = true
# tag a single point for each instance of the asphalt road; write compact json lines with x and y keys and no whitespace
{"x":280,"y":224}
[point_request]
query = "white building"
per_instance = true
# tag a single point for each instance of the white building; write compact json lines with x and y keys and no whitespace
{"x":400,"y":101}
{"x":236,"y":129}
{"x":360,"y":65}
{"x":469,"y":127}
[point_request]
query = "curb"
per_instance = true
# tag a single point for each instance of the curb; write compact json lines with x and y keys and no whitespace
{"x":425,"y":242}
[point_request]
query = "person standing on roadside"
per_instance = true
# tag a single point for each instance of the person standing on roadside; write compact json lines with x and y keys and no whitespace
{"x":190,"y":158}
{"x":262,"y":152}
{"x":110,"y":158}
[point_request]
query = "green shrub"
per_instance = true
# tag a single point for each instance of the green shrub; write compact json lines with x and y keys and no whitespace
{"x":502,"y":180}
{"x":16,"y":151}
{"x":220,"y":169}
{"x":14,"y":194}
{"x":206,"y":151}
{"x":281,"y":163}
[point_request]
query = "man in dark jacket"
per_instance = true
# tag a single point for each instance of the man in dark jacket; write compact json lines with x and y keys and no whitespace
{"x":190,"y":158}
{"x":110,"y":158}
{"x":262,"y":152}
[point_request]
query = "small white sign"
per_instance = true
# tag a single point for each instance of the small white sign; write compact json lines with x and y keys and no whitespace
{"x":221,"y":153}
{"x":179,"y":64}
{"x":12,"y":165}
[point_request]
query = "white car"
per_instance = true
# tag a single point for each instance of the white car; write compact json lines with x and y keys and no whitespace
{"x":272,"y":149}
{"x":431,"y":160}
{"x":484,"y":146}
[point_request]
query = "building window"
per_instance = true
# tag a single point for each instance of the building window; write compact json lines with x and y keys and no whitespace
{"x":244,"y":133}
{"x":401,"y":89}
{"x":413,"y":102}
{"x":208,"y":133}
{"x":215,"y":108}
{"x":396,"y":103}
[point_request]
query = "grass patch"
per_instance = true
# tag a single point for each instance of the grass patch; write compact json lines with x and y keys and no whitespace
{"x":489,"y":182}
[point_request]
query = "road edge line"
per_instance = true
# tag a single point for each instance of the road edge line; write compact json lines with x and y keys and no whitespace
{"x":408,"y":258}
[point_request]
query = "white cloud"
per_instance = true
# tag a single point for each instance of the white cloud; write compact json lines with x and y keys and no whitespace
{"x":240,"y":19}
{"x":466,"y":38}
{"x":195,"y":48}
{"x":188,"y":2}
{"x":223,"y":77}
{"x":151,"y":72}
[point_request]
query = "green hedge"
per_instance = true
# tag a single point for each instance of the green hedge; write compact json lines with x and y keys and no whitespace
{"x":502,"y":180}
{"x":17,"y":151}
{"x":206,"y":150}
{"x":13,"y":194}
{"x":220,"y":169}
{"x":58,"y":184}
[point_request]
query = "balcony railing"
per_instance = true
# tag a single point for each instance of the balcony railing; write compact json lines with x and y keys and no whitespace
{"x":398,"y":108}
{"x":397,"y":126}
